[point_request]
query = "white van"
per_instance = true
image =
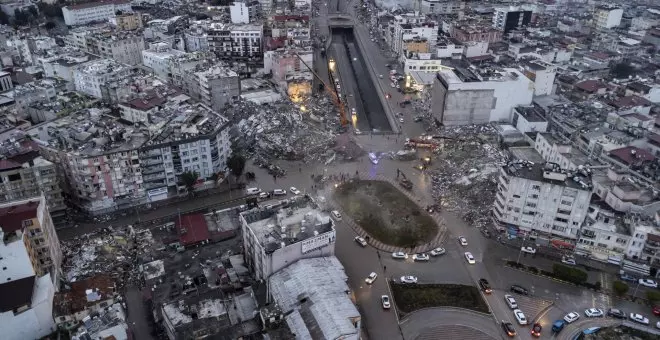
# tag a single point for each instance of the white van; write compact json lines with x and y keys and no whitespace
{"x":252,"y":191}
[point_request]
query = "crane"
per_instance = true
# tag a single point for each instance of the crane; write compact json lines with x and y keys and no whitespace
{"x":332,"y":90}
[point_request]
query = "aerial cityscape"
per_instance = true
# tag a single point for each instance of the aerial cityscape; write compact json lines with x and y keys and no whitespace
{"x":329,"y":169}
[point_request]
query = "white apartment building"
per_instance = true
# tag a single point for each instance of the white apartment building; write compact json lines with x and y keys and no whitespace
{"x":540,"y":200}
{"x":441,"y":6}
{"x":42,"y":90}
{"x":94,"y":11}
{"x":567,"y":156}
{"x":542,"y":74}
{"x":62,"y":67}
{"x":427,"y":31}
{"x":92,"y":78}
{"x":196,"y":38}
{"x":422,"y":62}
{"x":158,"y":57}
{"x":218,"y":86}
{"x":607,"y":16}
{"x":236,"y":42}
{"x":604,"y":236}
{"x":239,"y":13}
{"x":478,"y":96}
{"x":275,"y":238}
{"x":124,"y":47}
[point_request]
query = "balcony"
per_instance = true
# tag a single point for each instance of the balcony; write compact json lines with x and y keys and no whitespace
{"x":153,"y":161}
{"x":156,"y":177}
{"x":153,"y":169}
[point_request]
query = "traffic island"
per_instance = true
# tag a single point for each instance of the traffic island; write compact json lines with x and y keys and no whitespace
{"x":385,"y":213}
{"x":412,"y":297}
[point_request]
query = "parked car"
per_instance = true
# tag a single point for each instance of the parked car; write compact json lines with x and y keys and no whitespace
{"x":462,"y":240}
{"x":593,"y":312}
{"x":558,"y":325}
{"x":421,"y":257}
{"x":438,"y":251}
{"x":510,"y":301}
{"x":639,"y":318}
{"x":294,"y":191}
{"x":616,"y":313}
{"x":507,"y":327}
{"x":263,"y":195}
{"x":656,"y":310}
{"x":336,"y":214}
{"x":371,"y":278}
{"x":528,"y":250}
{"x":361,"y":241}
{"x":409,"y":279}
{"x":385,"y":301}
{"x":399,"y":255}
{"x":469,"y":258}
{"x":519,"y":290}
{"x":648,"y":283}
{"x":629,"y":278}
{"x":485,"y":286}
{"x":520,"y":316}
{"x":536,"y":330}
{"x":568,"y":260}
{"x":279,"y":192}
{"x":571,"y":317}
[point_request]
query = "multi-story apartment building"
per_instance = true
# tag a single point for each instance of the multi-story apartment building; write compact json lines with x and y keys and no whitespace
{"x":509,"y":18}
{"x":542,"y":74}
{"x":196,"y":38}
{"x":180,"y":67}
{"x":239,"y":13}
{"x":236,"y":42}
{"x":62,"y":66}
{"x":283,"y":63}
{"x":81,"y":14}
{"x":37,"y":91}
{"x":124,"y":47}
{"x":473,"y":33}
{"x":96,"y":78}
{"x":30,"y":220}
{"x":277,"y":237}
{"x":406,"y":32}
{"x":215,"y":86}
{"x":158,"y":57}
{"x":541,"y":200}
{"x":607,"y":16}
{"x":604,"y":236}
{"x":441,"y":6}
{"x":127,"y":21}
{"x":292,"y":29}
{"x":25,"y":174}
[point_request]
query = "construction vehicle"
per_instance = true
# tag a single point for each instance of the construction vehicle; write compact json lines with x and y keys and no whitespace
{"x":333,"y":93}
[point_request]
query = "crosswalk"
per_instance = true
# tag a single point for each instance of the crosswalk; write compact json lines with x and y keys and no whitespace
{"x":531,"y":307}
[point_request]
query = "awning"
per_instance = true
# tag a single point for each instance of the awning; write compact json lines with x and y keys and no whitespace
{"x":559,"y":244}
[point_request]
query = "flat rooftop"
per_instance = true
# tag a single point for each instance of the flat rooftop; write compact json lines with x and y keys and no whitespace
{"x":545,"y":173}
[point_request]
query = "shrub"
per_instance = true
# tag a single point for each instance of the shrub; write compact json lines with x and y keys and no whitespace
{"x":653,"y":296}
{"x":569,"y":274}
{"x":533,"y":270}
{"x":620,"y":288}
{"x":546,"y":273}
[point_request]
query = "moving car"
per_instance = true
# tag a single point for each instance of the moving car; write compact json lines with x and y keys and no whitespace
{"x":421,"y":257}
{"x":294,"y":191}
{"x":400,"y":120}
{"x":510,"y":301}
{"x":371,"y":278}
{"x":252,"y":191}
{"x":353,"y":111}
{"x":558,"y":325}
{"x":571,"y":317}
{"x":629,"y":278}
{"x":336,"y":214}
{"x":648,"y":283}
{"x":593,"y":312}
{"x":520,"y":316}
{"x":399,"y":255}
{"x":462,"y":240}
{"x":385,"y":301}
{"x":469,"y":258}
{"x":507,"y":327}
{"x":568,"y":260}
{"x":361,"y":241}
{"x":485,"y":286}
{"x":279,"y":192}
{"x":519,"y":290}
{"x":408,"y":279}
{"x":373,"y":158}
{"x":616,"y":313}
{"x":438,"y":251}
{"x":536,"y":330}
{"x":639,"y":318}
{"x":528,"y":250}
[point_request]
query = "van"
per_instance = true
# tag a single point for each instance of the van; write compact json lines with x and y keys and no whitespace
{"x":252,"y":191}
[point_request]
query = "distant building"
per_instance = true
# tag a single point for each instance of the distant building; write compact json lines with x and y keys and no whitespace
{"x":542,"y":74}
{"x":97,"y":77}
{"x":157,"y":58}
{"x":216,"y":86}
{"x":94,"y":11}
{"x":441,"y":6}
{"x":276,"y":237}
{"x":510,"y":18}
{"x":607,"y":16}
{"x":124,"y":47}
{"x":239,"y":12}
{"x":5,"y":82}
{"x":127,"y":21}
{"x":236,"y":42}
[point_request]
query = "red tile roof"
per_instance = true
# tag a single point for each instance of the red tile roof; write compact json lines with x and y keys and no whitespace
{"x":97,"y":3}
{"x":632,"y":154}
{"x":11,"y":218}
{"x":146,"y":104}
{"x":590,"y":85}
{"x":654,"y":137}
{"x":192,"y":229}
{"x":75,"y":299}
{"x":630,"y":101}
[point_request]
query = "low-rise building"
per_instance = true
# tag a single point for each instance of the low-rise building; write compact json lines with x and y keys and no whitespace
{"x":276,"y":237}
{"x":157,"y":58}
{"x":97,"y":78}
{"x":81,"y":14}
{"x":38,"y":91}
{"x":83,"y":299}
{"x":62,"y":67}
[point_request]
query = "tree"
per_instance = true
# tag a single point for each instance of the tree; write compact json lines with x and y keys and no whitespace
{"x":189,"y":178}
{"x":236,"y":163}
{"x":620,"y":288}
{"x":652,"y":296}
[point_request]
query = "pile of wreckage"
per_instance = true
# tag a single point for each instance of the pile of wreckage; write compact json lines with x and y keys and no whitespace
{"x":464,"y":178}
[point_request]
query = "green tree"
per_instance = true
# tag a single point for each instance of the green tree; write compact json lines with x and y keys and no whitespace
{"x":653,"y":296}
{"x":236,"y":163}
{"x":620,"y":288}
{"x":189,"y":178}
{"x":569,"y":274}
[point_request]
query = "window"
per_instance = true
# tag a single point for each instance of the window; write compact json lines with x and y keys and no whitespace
{"x":531,"y":205}
{"x":536,"y":187}
{"x":516,"y":196}
{"x":565,"y":202}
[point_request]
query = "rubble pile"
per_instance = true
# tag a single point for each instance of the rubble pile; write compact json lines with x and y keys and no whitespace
{"x":108,"y":251}
{"x":278,"y":132}
{"x":464,"y":179}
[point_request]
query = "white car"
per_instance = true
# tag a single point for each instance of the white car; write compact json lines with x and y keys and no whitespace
{"x":336,"y":214}
{"x":353,"y":112}
{"x":279,"y":192}
{"x":400,"y":120}
{"x":593,"y":312}
{"x":648,"y":283}
{"x":438,"y":251}
{"x":657,"y":324}
{"x":639,"y":318}
{"x":421,"y":257}
{"x":528,"y":250}
{"x":263,"y":195}
{"x":510,"y":301}
{"x":361,"y":241}
{"x":520,"y":316}
{"x":385,"y":300}
{"x":568,"y":260}
{"x":462,"y":240}
{"x":571,"y":317}
{"x":408,"y":279}
{"x":294,"y":191}
{"x":399,"y":255}
{"x":470,"y":258}
{"x":371,"y":278}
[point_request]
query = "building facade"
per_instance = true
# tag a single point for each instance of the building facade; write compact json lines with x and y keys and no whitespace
{"x":95,"y":78}
{"x":94,"y":11}
{"x":510,"y":18}
{"x":236,"y":42}
{"x":607,"y":17}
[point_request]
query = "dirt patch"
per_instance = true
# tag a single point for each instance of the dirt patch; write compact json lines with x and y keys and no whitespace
{"x":385,"y":213}
{"x":410,"y":298}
